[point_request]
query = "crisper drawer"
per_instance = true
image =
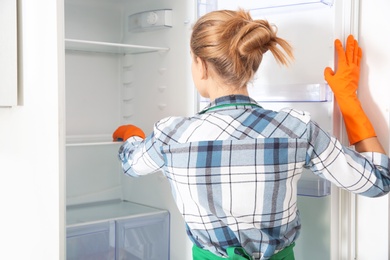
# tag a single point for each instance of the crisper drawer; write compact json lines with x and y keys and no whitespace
{"x":116,"y":230}
{"x":144,"y":238}
{"x":91,"y":242}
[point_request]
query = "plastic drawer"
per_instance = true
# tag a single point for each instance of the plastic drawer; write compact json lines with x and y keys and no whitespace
{"x":143,"y":238}
{"x":116,"y":230}
{"x":90,"y":242}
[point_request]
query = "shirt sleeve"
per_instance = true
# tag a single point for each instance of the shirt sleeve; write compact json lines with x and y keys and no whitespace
{"x":366,"y":174}
{"x":140,"y":157}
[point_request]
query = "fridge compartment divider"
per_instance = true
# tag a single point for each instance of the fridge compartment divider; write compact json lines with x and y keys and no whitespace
{"x":108,"y":47}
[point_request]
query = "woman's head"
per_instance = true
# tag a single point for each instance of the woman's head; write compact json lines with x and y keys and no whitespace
{"x":232,"y":44}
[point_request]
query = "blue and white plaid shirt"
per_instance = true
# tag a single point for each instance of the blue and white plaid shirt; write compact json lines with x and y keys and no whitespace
{"x":234,"y":168}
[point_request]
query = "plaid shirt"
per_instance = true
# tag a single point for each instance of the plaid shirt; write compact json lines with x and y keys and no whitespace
{"x":234,"y":168}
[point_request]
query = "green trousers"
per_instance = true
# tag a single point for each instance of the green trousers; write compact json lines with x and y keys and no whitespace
{"x":238,"y":253}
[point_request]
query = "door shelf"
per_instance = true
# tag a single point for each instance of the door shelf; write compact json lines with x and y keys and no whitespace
{"x":311,"y":185}
{"x":291,"y":93}
{"x":205,"y":6}
{"x":108,"y":47}
{"x":314,"y":188}
{"x":288,"y":3}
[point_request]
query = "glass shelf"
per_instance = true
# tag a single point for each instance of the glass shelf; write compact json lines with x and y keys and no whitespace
{"x":107,"y":47}
{"x":106,"y":210}
{"x":89,"y":140}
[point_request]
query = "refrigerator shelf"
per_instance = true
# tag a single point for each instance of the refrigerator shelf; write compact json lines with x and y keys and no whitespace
{"x":94,"y":212}
{"x":90,"y":140}
{"x":108,"y":47}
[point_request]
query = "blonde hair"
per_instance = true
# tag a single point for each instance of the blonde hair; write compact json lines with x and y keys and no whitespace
{"x":234,"y":44}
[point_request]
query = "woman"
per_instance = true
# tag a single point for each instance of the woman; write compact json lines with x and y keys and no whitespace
{"x":234,"y":166}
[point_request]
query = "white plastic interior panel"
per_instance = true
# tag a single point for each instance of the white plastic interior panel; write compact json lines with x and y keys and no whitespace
{"x":92,"y":93}
{"x":93,"y":172}
{"x":94,"y":20}
{"x":8,"y":53}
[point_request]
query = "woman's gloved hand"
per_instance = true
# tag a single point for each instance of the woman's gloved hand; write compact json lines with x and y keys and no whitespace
{"x":344,"y":83}
{"x":124,"y":132}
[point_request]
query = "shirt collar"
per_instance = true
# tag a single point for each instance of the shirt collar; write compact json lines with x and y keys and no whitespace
{"x":233,"y":100}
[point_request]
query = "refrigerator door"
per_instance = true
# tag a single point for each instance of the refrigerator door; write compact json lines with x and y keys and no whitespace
{"x":310,"y":26}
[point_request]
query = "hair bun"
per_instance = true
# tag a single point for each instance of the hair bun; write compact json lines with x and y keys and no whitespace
{"x":233,"y":44}
{"x":255,"y":36}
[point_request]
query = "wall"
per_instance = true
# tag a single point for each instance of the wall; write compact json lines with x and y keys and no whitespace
{"x":31,"y":185}
{"x":373,"y":214}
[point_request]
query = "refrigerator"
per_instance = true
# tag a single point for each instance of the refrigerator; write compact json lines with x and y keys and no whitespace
{"x":86,"y":67}
{"x":128,"y":62}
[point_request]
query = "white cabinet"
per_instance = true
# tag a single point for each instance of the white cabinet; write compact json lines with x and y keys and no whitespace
{"x":8,"y":53}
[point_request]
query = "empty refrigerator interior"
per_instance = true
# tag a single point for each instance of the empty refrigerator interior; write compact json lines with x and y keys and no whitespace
{"x":118,"y":73}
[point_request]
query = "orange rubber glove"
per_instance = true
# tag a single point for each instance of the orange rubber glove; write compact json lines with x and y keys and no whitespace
{"x":344,"y":84}
{"x":124,"y":132}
